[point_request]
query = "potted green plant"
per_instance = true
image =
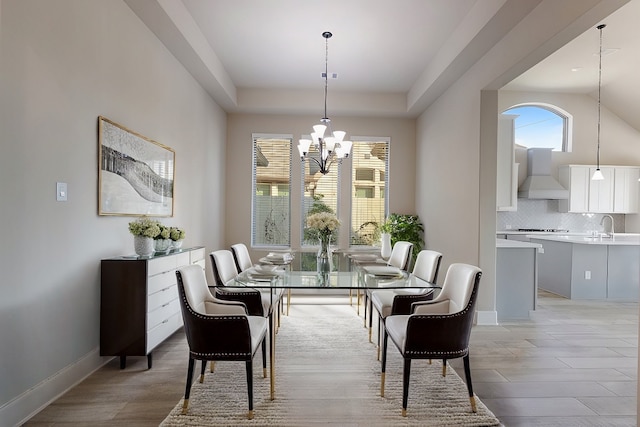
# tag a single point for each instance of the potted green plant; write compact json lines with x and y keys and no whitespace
{"x":144,"y":232}
{"x":407,"y":228}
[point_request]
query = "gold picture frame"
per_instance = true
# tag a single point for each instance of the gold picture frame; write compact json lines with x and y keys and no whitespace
{"x":135,"y":174}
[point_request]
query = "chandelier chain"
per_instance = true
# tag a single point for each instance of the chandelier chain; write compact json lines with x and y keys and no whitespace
{"x":600,"y":27}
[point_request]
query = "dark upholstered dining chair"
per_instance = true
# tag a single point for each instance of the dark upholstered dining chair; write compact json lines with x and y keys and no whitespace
{"x":387,"y":302}
{"x":224,"y":272}
{"x":241,"y":256}
{"x":217,"y":330}
{"x":243,"y":262}
{"x":400,"y":258}
{"x":437,"y":329}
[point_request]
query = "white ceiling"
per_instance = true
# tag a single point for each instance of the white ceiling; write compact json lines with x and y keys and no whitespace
{"x":620,"y":90}
{"x":260,"y":46}
{"x":401,"y":52}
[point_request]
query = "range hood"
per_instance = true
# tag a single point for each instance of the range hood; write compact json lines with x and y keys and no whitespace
{"x":540,"y":184}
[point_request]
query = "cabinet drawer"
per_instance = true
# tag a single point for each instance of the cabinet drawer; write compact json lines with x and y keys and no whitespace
{"x":200,"y":263}
{"x":162,"y":297}
{"x":160,"y":265}
{"x":163,"y":330}
{"x":197,"y":255}
{"x":182,"y":259}
{"x":161,"y":281}
{"x":162,"y":313}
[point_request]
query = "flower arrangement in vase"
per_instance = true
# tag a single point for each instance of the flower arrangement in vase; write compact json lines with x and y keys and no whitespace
{"x":323,"y":225}
{"x":176,"y":235}
{"x":144,"y":232}
{"x":163,"y":241}
{"x":150,"y":236}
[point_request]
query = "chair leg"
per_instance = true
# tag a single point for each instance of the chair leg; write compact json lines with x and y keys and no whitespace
{"x":405,"y":385}
{"x":249,"y":365}
{"x":385,"y":340}
{"x":264,"y":357}
{"x":202,"y":369}
{"x":444,"y":367}
{"x":370,"y":317}
{"x":467,"y":374}
{"x":187,"y":391}
{"x":212,"y":366}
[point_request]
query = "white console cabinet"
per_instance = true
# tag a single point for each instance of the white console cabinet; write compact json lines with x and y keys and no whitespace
{"x":139,"y":305}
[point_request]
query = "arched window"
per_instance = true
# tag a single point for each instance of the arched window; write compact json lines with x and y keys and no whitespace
{"x":542,"y":125}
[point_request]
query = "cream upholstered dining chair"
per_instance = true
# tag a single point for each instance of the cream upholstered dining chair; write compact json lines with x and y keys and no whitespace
{"x":243,"y":263}
{"x":400,"y":258}
{"x":217,"y":330}
{"x":398,"y":301}
{"x":241,"y":256}
{"x":437,"y":329}
{"x":224,"y":272}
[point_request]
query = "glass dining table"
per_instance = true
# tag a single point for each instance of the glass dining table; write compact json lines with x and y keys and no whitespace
{"x":279,"y":277}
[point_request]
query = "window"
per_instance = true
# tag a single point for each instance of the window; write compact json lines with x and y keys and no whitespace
{"x":543,"y":126}
{"x":364,"y":192}
{"x":319,"y":193}
{"x":271,"y":188}
{"x":369,"y":203}
{"x":367,"y":174}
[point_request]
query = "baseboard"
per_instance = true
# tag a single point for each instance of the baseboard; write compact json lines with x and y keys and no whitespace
{"x":21,"y":408}
{"x":486,"y":317}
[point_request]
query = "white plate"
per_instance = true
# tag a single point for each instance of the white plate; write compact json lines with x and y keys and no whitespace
{"x":265,"y":269}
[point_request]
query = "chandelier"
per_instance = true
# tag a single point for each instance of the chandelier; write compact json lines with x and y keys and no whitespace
{"x":331,"y":148}
{"x":597,"y":175}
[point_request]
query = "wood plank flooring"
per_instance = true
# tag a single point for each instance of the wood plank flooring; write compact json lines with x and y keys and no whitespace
{"x":573,"y":364}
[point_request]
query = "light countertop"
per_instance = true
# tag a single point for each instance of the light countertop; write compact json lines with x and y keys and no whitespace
{"x":619,"y":239}
{"x":516,"y":244}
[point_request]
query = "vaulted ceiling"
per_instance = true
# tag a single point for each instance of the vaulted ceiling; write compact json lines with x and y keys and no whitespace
{"x":392,"y":58}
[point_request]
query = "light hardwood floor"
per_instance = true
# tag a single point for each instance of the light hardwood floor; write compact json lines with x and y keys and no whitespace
{"x":573,"y":364}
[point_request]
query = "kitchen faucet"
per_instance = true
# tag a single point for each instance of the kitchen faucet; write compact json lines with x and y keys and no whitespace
{"x":602,"y":223}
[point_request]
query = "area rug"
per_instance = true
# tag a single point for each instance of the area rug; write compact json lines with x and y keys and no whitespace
{"x":327,"y":374}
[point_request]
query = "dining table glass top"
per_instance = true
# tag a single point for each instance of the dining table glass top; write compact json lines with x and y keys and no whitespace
{"x":355,"y":276}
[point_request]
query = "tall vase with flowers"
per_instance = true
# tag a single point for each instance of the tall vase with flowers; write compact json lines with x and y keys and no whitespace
{"x":144,"y":232}
{"x":324,"y":225}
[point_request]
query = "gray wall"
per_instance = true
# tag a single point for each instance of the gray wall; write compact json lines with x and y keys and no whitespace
{"x":62,"y":64}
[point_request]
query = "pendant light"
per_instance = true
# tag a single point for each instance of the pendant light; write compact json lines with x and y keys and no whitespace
{"x":597,"y":175}
{"x":330,"y":148}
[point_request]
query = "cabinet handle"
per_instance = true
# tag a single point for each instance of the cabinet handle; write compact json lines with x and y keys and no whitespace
{"x":165,"y":321}
{"x":164,"y":305}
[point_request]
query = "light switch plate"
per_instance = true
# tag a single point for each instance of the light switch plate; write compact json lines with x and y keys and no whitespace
{"x":61,"y":191}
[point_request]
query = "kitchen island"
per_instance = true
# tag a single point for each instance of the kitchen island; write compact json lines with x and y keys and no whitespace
{"x":516,"y":278}
{"x":583,"y":267}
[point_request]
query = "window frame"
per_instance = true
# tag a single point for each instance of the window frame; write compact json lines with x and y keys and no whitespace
{"x":567,"y":120}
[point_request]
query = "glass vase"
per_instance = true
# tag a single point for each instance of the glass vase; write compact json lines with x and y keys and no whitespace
{"x":323,"y":262}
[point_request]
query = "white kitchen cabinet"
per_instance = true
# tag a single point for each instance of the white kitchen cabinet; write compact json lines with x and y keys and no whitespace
{"x":506,"y":168}
{"x":601,"y":192}
{"x":576,"y":179}
{"x":626,"y":190}
{"x":616,"y":193}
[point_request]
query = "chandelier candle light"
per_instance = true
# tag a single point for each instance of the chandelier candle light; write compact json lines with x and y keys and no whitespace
{"x":597,"y":175}
{"x":333,"y":147}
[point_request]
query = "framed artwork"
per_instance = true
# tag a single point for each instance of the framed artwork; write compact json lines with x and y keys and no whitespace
{"x":135,"y":173}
